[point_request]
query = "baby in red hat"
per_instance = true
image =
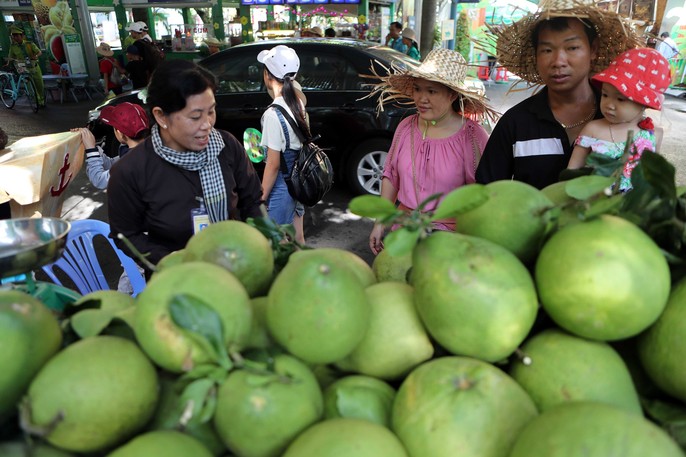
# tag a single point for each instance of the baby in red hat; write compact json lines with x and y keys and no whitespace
{"x":131,"y":126}
{"x":634,"y":81}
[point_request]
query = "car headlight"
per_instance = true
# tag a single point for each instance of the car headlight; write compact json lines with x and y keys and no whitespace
{"x":93,"y":115}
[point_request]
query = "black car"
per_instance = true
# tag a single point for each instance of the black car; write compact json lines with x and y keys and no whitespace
{"x":332,"y":75}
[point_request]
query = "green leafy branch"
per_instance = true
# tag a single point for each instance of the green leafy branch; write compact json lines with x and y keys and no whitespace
{"x":282,"y":237}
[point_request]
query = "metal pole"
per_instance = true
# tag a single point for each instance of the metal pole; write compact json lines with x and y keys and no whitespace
{"x":87,"y":39}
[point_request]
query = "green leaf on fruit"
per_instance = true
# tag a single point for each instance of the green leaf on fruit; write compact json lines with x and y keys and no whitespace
{"x":604,"y":205}
{"x":202,"y":321}
{"x":201,"y":395}
{"x":585,"y":187}
{"x":372,"y":206}
{"x":670,"y":416}
{"x":401,"y":241}
{"x":92,"y":322}
{"x":461,"y":200}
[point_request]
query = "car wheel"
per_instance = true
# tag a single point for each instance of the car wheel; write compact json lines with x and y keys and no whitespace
{"x":364,"y":168}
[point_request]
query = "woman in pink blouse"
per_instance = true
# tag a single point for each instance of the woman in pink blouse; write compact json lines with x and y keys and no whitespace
{"x":437,"y":149}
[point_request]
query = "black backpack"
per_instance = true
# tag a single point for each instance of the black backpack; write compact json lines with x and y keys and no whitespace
{"x":312,"y":174}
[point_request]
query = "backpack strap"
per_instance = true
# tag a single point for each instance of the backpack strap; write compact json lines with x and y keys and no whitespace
{"x":291,"y":121}
{"x":282,"y":114}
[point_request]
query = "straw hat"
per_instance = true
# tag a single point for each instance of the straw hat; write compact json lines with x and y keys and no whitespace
{"x":442,"y":66}
{"x":515,"y":49}
{"x":104,"y":50}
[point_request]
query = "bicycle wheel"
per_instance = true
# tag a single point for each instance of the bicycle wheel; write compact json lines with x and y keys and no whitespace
{"x":6,"y":91}
{"x":31,"y":94}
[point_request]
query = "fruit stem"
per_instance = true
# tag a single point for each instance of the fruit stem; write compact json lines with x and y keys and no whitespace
{"x":525,"y":359}
{"x":137,"y":253}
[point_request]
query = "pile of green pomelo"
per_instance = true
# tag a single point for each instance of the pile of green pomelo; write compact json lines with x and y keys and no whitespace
{"x":516,"y":336}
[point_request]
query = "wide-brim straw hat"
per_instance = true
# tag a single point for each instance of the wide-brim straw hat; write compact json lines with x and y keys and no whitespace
{"x":514,"y":46}
{"x":212,"y":41}
{"x":441,"y":65}
{"x":104,"y":50}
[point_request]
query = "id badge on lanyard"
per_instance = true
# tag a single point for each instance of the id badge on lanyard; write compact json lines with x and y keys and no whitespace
{"x":200,"y":217}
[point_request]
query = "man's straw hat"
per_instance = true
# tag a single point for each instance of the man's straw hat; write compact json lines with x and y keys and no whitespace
{"x":515,"y":50}
{"x":442,"y":66}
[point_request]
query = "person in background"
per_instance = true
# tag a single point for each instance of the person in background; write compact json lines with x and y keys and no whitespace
{"x":393,"y":39}
{"x":634,"y":81}
{"x":135,"y":68}
{"x":532,"y":142}
{"x":436,"y":150}
{"x":667,"y":46}
{"x":314,"y":32}
{"x":212,"y":45}
{"x":330,"y":33}
{"x":150,"y":54}
{"x":23,"y":51}
{"x":281,"y":65}
{"x":131,"y":126}
{"x":186,"y":174}
{"x":410,"y":40}
{"x":111,"y":78}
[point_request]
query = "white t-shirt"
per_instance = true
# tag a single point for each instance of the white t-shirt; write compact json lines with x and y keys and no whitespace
{"x":272,"y":133}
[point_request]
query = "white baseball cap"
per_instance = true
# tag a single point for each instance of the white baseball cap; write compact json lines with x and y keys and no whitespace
{"x":137,"y":27}
{"x":280,"y":60}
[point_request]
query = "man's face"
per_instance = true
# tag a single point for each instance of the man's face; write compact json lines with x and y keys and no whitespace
{"x":563,"y":57}
{"x":17,"y":37}
{"x":135,"y":35}
{"x":394,"y":31}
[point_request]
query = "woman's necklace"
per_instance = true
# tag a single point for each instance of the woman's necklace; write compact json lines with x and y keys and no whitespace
{"x":433,"y":123}
{"x":582,"y":121}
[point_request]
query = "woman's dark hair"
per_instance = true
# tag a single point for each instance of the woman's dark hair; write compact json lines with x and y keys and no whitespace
{"x":143,"y":134}
{"x":292,"y":100}
{"x":558,"y":24}
{"x":174,"y":81}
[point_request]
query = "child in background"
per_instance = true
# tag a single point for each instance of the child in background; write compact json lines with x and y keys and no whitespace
{"x":634,"y":81}
{"x":131,"y":126}
{"x":110,"y":69}
{"x":135,"y":68}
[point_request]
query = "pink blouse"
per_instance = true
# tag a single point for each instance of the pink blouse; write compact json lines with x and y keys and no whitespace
{"x":440,"y":164}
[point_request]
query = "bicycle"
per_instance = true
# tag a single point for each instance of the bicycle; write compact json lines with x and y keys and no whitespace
{"x":15,"y":85}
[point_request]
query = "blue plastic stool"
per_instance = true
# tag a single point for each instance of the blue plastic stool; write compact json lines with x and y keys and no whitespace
{"x":80,"y":262}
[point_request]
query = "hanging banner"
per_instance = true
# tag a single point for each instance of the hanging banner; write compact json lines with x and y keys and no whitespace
{"x":448,"y":30}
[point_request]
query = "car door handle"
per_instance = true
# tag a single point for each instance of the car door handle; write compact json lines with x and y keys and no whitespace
{"x":249,"y":108}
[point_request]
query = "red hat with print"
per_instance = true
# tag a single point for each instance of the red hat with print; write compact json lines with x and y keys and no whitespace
{"x":130,"y":119}
{"x":642,"y":75}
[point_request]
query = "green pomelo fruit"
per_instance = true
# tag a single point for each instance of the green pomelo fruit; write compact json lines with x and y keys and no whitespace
{"x":103,"y":387}
{"x":514,"y":217}
{"x":387,"y":267}
{"x":396,"y":340}
{"x":171,"y":259}
{"x":346,"y":438}
{"x":258,"y":415}
{"x":162,"y":443}
{"x":359,"y":397}
{"x":603,"y":279}
{"x":474,"y":296}
{"x":29,"y":336}
{"x":259,"y":335}
{"x":168,"y":345}
{"x":588,"y":429}
{"x":662,"y":347}
{"x":170,"y":409}
{"x":341,"y":257}
{"x":317,"y":310}
{"x":21,"y":449}
{"x":240,"y":249}
{"x":460,"y":406}
{"x":567,"y":368}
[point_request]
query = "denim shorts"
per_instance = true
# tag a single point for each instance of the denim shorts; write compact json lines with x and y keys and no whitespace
{"x":280,"y":205}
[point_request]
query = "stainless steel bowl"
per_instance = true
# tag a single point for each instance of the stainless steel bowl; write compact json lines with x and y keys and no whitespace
{"x":30,"y":243}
